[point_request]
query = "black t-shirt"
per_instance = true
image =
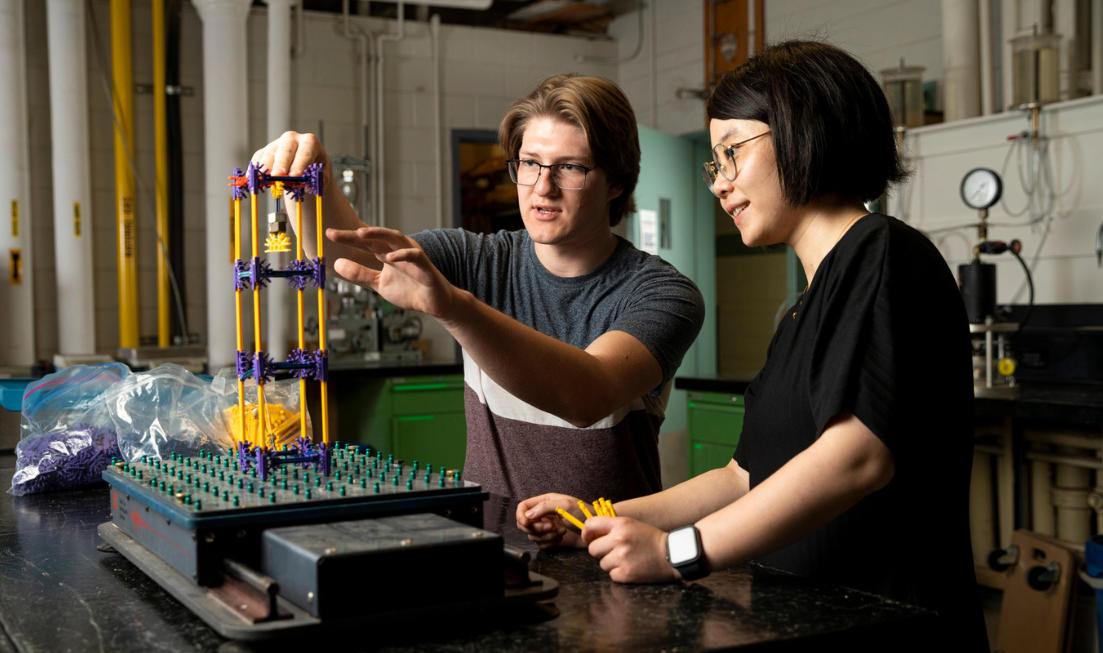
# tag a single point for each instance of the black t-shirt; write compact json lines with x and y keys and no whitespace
{"x":882,"y":333}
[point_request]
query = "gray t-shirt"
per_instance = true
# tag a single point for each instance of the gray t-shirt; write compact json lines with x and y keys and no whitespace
{"x":518,"y":450}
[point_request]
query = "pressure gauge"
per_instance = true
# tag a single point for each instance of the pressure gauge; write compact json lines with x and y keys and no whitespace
{"x":981,"y":188}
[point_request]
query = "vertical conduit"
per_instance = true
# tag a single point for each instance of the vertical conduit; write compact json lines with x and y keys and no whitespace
{"x":76,"y":317}
{"x":226,"y":146}
{"x":279,"y":120}
{"x":161,"y":153}
{"x":175,"y":173}
{"x":125,"y":236}
{"x":16,"y":299}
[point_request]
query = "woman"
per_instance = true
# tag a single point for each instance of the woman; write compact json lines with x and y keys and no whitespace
{"x":853,"y":465}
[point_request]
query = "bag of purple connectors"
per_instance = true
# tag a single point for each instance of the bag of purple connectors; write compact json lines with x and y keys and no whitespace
{"x":67,"y":437}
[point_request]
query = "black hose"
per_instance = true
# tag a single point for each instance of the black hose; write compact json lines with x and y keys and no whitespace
{"x":175,"y":157}
{"x":1030,"y":283}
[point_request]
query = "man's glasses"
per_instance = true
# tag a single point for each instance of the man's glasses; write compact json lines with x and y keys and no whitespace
{"x":723,"y":162}
{"x":568,"y":176}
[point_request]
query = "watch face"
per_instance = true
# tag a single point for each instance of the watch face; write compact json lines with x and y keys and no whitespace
{"x":981,"y":188}
{"x":681,"y":546}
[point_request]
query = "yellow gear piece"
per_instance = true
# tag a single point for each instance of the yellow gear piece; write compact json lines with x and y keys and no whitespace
{"x":1006,"y":366}
{"x":277,"y":190}
{"x":277,"y":242}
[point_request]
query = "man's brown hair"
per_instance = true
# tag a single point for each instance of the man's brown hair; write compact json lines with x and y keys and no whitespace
{"x":600,"y":109}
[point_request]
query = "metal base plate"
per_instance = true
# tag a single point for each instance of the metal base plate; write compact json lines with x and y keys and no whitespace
{"x":228,"y":623}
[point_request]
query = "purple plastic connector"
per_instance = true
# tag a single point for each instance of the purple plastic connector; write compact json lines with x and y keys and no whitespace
{"x":314,"y":173}
{"x":300,"y":281}
{"x":241,"y":282}
{"x":244,"y":362}
{"x":319,"y":272}
{"x":262,"y":367}
{"x":300,"y":357}
{"x":239,"y":192}
{"x":298,"y":192}
{"x":253,"y":181}
{"x":260,"y":272}
{"x":244,"y":456}
{"x":322,"y":370}
{"x":325,"y":458}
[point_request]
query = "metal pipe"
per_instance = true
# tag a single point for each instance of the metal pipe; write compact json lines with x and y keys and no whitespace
{"x":161,"y":154}
{"x":1043,"y":518}
{"x":279,"y":120}
{"x":985,"y":21}
{"x":982,"y":516}
{"x":380,"y":164}
{"x":1097,"y":47}
{"x":72,"y":176}
{"x":1070,"y":497}
{"x":1057,"y":459}
{"x":1064,"y":439}
{"x":226,"y":146}
{"x":960,"y":59}
{"x":434,"y":33}
{"x":125,"y":228}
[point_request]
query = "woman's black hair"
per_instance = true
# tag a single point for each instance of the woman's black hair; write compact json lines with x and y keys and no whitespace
{"x":829,"y":120}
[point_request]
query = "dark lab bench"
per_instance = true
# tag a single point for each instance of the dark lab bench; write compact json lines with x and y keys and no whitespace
{"x":57,"y":592}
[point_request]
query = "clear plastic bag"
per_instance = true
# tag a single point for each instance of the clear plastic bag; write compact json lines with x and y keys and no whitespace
{"x":164,"y":411}
{"x":72,"y":396}
{"x":67,"y":437}
{"x":281,"y":399}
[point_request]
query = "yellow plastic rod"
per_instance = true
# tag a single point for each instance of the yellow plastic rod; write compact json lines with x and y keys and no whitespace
{"x":234,"y":254}
{"x":582,"y":505}
{"x":322,"y":323}
{"x":261,"y":412}
{"x":609,"y":509}
{"x":571,"y":518}
{"x":302,"y":334}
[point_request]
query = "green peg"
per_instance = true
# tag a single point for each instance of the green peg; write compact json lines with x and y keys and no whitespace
{"x":284,"y":484}
{"x":329,"y":486}
{"x":206,"y":487}
{"x":363,"y":483}
{"x":237,"y":501}
{"x":376,"y":488}
{"x":226,"y":495}
{"x":272,"y":498}
{"x":342,"y":490}
{"x":198,"y":504}
{"x":410,"y":484}
{"x":394,"y":480}
{"x":139,"y":474}
{"x":441,"y":482}
{"x":295,"y":489}
{"x":307,"y":495}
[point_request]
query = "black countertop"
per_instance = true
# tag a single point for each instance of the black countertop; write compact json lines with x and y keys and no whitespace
{"x":733,"y":385}
{"x":57,"y":592}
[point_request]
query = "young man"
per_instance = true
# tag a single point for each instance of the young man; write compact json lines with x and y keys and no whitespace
{"x":570,"y":335}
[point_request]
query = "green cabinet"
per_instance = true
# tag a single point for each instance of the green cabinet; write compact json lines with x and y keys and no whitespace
{"x":428,"y":423}
{"x":715,"y":422}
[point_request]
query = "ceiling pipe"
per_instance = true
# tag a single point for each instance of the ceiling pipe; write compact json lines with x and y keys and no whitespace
{"x":960,"y":59}
{"x":226,"y":146}
{"x":279,"y":121}
{"x":17,"y":341}
{"x":72,"y":176}
{"x":379,"y":163}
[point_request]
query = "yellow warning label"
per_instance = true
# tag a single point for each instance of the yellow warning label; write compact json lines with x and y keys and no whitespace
{"x":15,"y":267}
{"x":15,"y":218}
{"x":76,"y":219}
{"x":128,"y":227}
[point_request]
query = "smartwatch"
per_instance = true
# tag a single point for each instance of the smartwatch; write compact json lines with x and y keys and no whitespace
{"x":683,"y":551}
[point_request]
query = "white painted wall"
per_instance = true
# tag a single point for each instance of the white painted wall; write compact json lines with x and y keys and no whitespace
{"x":483,"y":70}
{"x":1066,"y":270}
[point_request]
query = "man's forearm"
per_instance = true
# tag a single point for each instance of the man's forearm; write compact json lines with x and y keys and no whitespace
{"x":553,"y":376}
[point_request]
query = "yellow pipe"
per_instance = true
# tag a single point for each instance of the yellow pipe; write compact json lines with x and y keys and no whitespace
{"x":126,"y":245}
{"x":322,"y":323}
{"x":302,"y":336}
{"x":160,"y":140}
{"x":236,"y":253}
{"x":257,"y":345}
